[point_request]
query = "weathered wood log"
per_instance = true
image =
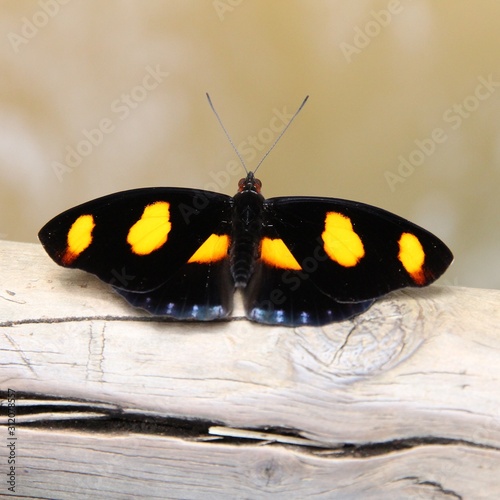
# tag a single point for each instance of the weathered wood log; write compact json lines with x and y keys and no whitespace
{"x":402,"y":401}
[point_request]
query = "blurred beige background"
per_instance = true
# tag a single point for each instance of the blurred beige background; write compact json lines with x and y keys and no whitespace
{"x":404,"y":110}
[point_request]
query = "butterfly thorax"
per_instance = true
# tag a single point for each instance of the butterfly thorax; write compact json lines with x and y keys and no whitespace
{"x":248,"y":209}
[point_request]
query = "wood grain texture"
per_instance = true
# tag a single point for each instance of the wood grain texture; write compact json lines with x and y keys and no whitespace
{"x":401,"y":402}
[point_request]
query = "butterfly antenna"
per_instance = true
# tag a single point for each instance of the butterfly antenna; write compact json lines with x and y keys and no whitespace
{"x":282,"y":132}
{"x":227,"y":134}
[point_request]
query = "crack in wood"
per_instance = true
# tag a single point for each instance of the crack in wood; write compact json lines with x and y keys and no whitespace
{"x":96,"y":347}
{"x":434,"y":485}
{"x":12,"y":294}
{"x":79,"y":319}
{"x":52,"y":413}
{"x":27,"y":362}
{"x":351,"y":331}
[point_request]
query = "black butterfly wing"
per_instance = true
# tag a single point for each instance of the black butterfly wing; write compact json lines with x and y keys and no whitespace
{"x":163,"y":249}
{"x":201,"y":292}
{"x":325,"y":260}
{"x":278,"y":297}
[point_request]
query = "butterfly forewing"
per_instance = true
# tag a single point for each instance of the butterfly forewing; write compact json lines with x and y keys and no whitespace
{"x":355,"y":252}
{"x":137,"y":240}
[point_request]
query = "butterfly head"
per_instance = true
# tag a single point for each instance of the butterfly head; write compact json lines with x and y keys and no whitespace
{"x":249,"y":183}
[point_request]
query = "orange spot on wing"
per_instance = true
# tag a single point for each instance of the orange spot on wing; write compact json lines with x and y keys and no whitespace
{"x":214,"y":248}
{"x":79,"y":238}
{"x":341,"y":243}
{"x":275,"y":253}
{"x":412,"y":256}
{"x":151,"y":231}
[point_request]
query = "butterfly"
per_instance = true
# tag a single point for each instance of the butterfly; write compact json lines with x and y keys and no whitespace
{"x":182,"y":253}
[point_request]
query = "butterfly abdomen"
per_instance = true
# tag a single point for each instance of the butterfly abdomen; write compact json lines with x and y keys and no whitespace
{"x":247,"y":226}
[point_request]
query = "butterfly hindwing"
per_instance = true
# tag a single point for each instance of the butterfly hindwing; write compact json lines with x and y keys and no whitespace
{"x":277,"y":296}
{"x":197,"y":291}
{"x":163,"y":249}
